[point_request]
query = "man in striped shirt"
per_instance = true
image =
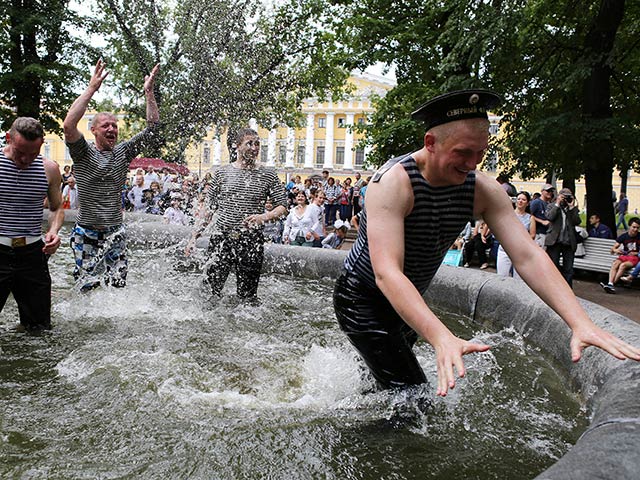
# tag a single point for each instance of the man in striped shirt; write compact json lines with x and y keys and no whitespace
{"x":26,"y":180}
{"x":98,"y":238}
{"x":416,"y":206}
{"x":238,"y":193}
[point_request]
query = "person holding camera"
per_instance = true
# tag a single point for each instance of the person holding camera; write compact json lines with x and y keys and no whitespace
{"x":560,"y":241}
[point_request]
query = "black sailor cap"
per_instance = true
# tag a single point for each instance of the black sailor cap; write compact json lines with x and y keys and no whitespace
{"x":458,"y":105}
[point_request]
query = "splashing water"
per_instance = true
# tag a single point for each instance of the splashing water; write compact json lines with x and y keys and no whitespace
{"x":153,"y":381}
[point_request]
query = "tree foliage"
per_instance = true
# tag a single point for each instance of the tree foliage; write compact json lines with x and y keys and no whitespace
{"x":222,"y":62}
{"x":41,"y":64}
{"x":568,"y":71}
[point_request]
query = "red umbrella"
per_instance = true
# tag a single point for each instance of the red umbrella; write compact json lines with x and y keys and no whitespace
{"x":158,"y":164}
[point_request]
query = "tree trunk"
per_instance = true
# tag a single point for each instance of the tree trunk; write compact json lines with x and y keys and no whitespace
{"x":596,"y":106}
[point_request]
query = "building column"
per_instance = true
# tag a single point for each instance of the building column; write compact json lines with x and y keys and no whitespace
{"x":309,"y":144}
{"x":328,"y":141}
{"x":291,"y":142}
{"x":217,"y":152}
{"x":271,"y":147}
{"x":348,"y":143}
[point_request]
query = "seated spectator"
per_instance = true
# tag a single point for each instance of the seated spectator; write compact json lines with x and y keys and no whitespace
{"x":336,"y":238}
{"x":174,"y":214}
{"x":628,"y":279}
{"x":626,"y":247}
{"x":298,"y":224}
{"x":463,"y":238}
{"x":597,"y":229}
{"x":481,"y":240}
{"x":273,"y":229}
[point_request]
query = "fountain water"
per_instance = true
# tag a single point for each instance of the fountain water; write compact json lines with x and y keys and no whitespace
{"x":152,"y":381}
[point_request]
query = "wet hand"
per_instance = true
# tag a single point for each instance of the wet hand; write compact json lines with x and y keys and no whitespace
{"x":449,"y":354}
{"x":595,"y":336}
{"x":99,"y":74}
{"x":51,"y":243}
{"x":150,"y":79}
{"x":256,"y":219}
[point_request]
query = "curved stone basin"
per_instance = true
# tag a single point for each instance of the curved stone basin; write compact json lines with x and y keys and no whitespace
{"x":610,"y":388}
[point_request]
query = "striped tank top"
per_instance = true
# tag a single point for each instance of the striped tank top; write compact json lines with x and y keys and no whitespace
{"x":22,"y":194}
{"x":439,"y":214}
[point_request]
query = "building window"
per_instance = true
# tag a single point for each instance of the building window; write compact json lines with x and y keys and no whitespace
{"x":361,"y":121}
{"x":340,"y":156}
{"x":67,"y":155}
{"x":319,"y":157}
{"x":264,"y":153}
{"x":493,"y":129}
{"x":359,"y":157}
{"x":282,"y":154}
{"x":322,"y":122}
{"x":301,"y":153}
{"x":342,"y":122}
{"x":47,"y":150}
{"x":206,"y":154}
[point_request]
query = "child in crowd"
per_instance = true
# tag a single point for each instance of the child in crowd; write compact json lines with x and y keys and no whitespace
{"x":336,"y":239}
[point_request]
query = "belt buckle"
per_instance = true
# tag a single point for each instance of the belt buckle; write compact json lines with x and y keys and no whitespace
{"x":18,"y":242}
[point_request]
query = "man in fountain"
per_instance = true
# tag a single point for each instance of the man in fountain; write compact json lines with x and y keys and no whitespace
{"x":98,"y":238}
{"x":26,"y":180}
{"x":237,"y":194}
{"x":378,"y":298}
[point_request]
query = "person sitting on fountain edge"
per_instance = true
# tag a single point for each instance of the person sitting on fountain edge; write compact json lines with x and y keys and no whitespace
{"x":98,"y":238}
{"x":378,"y":297}
{"x":238,"y":192}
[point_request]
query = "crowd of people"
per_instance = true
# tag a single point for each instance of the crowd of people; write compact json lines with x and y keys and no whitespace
{"x":378,"y":298}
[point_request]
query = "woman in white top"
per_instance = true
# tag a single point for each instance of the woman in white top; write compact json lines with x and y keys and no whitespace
{"x":298,"y":224}
{"x":316,"y":212}
{"x":504,"y":266}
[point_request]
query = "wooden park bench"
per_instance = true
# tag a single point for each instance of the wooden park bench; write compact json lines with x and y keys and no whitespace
{"x":597,"y":256}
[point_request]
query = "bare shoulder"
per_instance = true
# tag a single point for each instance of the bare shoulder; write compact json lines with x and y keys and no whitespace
{"x":51,"y":167}
{"x":488,"y":195}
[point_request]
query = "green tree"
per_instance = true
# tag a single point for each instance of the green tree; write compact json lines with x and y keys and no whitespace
{"x":568,"y":70}
{"x":222,"y":62}
{"x":42,"y":61}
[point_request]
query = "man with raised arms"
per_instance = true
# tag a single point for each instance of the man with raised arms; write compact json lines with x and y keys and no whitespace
{"x":98,"y":238}
{"x":401,"y":243}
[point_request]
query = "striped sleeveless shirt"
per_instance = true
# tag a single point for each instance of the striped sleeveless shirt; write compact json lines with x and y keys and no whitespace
{"x":22,"y":194}
{"x":439,"y":214}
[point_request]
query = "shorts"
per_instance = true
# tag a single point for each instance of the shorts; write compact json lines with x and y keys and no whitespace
{"x":100,"y":256}
{"x":632,"y":259}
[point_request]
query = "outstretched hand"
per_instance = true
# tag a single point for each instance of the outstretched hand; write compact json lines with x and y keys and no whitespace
{"x":595,"y":336}
{"x":99,"y":74}
{"x":150,"y":79}
{"x":449,"y":355}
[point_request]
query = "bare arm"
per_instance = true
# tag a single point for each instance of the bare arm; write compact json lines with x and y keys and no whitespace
{"x":56,"y":213}
{"x":153,"y":116}
{"x":79,"y":107}
{"x":537,"y":270}
{"x":385,"y":230}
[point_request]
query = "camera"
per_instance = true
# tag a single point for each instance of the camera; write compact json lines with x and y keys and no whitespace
{"x":568,"y":198}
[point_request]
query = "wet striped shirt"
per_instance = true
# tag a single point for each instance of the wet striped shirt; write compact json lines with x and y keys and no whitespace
{"x":236,"y":193}
{"x":22,"y":194}
{"x":439,"y":214}
{"x":100,"y":178}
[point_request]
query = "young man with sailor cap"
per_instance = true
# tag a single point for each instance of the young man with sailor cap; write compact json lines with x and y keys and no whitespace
{"x":378,"y":298}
